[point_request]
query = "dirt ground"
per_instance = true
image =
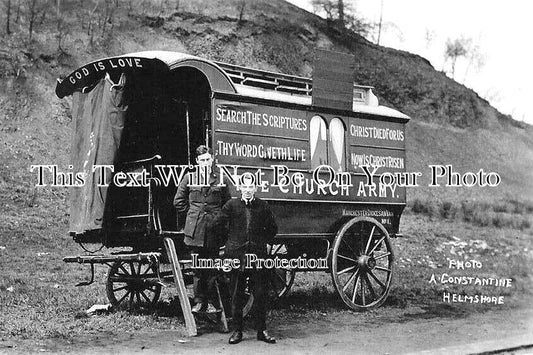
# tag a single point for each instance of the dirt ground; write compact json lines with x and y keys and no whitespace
{"x":384,"y":331}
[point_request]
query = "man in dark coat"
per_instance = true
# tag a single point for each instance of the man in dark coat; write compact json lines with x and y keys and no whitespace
{"x":201,"y":203}
{"x":250,"y":226}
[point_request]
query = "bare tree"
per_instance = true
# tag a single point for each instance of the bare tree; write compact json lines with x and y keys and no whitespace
{"x":91,"y":27}
{"x":329,"y":7}
{"x":32,"y":15}
{"x":340,"y":8}
{"x":465,"y":49}
{"x":35,"y":9}
{"x":8,"y":17}
{"x":17,"y":18}
{"x":61,"y":26}
{"x":42,"y":13}
{"x":476,"y":60}
{"x":380,"y":23}
{"x":429,"y":37}
{"x":456,"y":49}
{"x":108,"y":17}
{"x":241,"y":7}
{"x":343,"y":15}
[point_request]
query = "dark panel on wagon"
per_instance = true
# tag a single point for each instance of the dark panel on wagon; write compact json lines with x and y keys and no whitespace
{"x":333,"y":80}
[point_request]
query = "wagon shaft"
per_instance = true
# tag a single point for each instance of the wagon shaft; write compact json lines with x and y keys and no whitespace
{"x":104,"y":259}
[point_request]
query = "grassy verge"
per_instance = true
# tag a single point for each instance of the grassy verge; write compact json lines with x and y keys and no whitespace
{"x":429,"y":246}
{"x":39,"y":300}
{"x":511,"y":213}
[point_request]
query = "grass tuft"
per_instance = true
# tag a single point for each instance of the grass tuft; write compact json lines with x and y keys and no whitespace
{"x":500,"y":214}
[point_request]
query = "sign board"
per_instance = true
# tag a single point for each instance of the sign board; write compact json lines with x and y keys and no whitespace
{"x":333,"y":79}
{"x":86,"y":77}
{"x":264,"y":140}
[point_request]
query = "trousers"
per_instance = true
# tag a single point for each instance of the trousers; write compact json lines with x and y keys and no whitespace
{"x":204,"y":279}
{"x":258,"y":283}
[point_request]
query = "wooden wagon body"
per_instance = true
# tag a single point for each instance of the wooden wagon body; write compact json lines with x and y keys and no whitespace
{"x":327,"y":161}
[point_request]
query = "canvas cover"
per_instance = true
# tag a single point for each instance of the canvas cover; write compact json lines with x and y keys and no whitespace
{"x":98,"y":117}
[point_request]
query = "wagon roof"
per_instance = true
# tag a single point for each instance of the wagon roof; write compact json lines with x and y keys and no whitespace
{"x":274,"y":86}
{"x":254,"y":83}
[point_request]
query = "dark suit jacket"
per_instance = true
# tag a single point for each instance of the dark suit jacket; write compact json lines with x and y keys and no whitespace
{"x":244,"y":236}
{"x":201,"y":205}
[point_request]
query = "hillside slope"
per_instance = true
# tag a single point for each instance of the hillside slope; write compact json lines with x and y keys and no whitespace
{"x":450,"y":123}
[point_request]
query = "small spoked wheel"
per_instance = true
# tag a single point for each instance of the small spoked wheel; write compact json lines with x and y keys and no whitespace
{"x":281,"y":279}
{"x":132,"y":284}
{"x":362,"y":263}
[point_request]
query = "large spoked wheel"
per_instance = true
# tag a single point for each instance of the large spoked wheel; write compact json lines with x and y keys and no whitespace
{"x":362,"y":263}
{"x":132,"y":284}
{"x":281,"y":279}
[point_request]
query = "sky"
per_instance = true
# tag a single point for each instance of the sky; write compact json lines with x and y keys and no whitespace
{"x":499,"y":29}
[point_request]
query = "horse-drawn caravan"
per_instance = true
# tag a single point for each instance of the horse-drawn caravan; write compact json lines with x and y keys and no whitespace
{"x":323,"y":153}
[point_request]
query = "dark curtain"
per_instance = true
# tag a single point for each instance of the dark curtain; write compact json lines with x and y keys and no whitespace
{"x":98,"y":118}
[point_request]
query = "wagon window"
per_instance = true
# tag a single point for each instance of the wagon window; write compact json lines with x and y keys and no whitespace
{"x":317,"y":138}
{"x":336,"y":145}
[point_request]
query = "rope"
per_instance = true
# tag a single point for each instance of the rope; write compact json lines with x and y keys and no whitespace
{"x":90,"y":251}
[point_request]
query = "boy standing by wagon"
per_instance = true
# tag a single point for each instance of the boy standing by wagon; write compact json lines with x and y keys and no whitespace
{"x":250,"y":225}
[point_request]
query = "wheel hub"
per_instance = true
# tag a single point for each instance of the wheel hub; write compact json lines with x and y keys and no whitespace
{"x":137,"y":285}
{"x":366,"y":262}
